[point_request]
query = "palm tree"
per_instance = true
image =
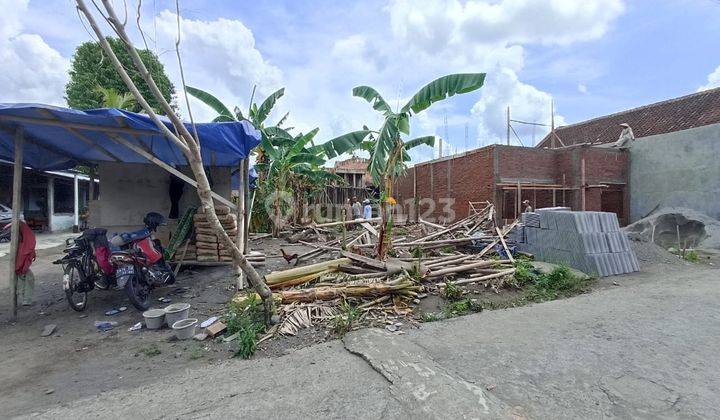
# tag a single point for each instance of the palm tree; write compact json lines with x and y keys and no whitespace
{"x":388,"y":152}
{"x":112,"y":99}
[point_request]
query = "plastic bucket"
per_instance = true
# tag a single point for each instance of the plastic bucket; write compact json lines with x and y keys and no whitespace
{"x":185,"y":328}
{"x":154,"y":318}
{"x":176,"y":312}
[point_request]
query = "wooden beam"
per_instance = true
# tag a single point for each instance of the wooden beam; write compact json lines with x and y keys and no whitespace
{"x":16,"y":209}
{"x":152,"y":158}
{"x":92,"y":144}
{"x":90,"y":127}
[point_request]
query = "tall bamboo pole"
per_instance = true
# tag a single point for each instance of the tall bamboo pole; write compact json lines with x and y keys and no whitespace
{"x":183,"y":139}
{"x":16,"y":209}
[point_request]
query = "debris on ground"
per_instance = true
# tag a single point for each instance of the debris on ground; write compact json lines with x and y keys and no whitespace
{"x":351,"y":287}
{"x":48,"y":330}
{"x":105,"y":325}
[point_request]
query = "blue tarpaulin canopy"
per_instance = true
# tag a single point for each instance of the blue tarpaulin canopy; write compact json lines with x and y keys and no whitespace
{"x":61,"y":138}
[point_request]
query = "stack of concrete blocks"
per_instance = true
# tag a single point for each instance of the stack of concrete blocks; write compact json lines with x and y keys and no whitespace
{"x":589,"y":241}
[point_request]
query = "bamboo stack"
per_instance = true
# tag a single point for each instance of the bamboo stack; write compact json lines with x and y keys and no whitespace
{"x":207,"y":246}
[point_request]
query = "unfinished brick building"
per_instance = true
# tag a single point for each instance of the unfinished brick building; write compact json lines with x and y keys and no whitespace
{"x":580,"y":177}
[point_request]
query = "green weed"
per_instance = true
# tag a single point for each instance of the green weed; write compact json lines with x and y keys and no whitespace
{"x":430,"y":317}
{"x":461,"y":307}
{"x":150,"y":350}
{"x":451,"y":292}
{"x":247,"y":320}
{"x":559,"y":283}
{"x":196,"y":352}
{"x":344,"y":322}
{"x":691,"y":256}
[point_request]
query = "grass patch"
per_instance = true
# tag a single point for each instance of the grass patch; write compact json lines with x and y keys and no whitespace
{"x":560,"y":283}
{"x":247,"y":320}
{"x":344,"y":322}
{"x":451,"y":292}
{"x":150,"y":350}
{"x":430,"y":317}
{"x":461,"y":307}
{"x":691,"y":256}
{"x":197,"y":352}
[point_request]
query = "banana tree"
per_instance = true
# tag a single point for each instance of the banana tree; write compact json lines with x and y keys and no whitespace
{"x":112,"y":99}
{"x":388,"y":151}
{"x":257,"y":115}
{"x":290,"y":157}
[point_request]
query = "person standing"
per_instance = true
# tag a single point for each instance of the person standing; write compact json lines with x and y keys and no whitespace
{"x":527,"y":208}
{"x":23,"y":260}
{"x":367,"y":210}
{"x":357,"y":211}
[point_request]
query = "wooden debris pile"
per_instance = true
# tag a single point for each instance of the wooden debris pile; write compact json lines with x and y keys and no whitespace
{"x":427,"y":257}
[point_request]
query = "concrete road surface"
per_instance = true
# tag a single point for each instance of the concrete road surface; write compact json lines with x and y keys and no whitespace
{"x":647,"y":348}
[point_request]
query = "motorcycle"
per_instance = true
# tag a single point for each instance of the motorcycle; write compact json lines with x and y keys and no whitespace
{"x":131,"y":261}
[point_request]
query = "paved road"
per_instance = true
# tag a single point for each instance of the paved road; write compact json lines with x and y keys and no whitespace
{"x":645,"y":349}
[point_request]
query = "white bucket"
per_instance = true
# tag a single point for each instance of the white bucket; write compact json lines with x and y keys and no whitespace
{"x":154,"y":318}
{"x":176,"y":312}
{"x":185,"y":328}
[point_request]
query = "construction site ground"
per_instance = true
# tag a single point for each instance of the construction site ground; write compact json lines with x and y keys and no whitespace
{"x":636,"y":345}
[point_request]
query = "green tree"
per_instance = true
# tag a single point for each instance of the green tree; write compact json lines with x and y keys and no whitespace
{"x":91,"y":69}
{"x":388,"y":152}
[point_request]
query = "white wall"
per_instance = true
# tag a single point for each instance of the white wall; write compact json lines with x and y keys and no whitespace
{"x":62,"y":221}
{"x":129,"y":191}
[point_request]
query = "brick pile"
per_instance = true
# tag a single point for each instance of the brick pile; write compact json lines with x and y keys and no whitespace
{"x":589,"y":241}
{"x":207,"y":247}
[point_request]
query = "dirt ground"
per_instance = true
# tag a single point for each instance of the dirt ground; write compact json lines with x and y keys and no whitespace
{"x":78,"y":360}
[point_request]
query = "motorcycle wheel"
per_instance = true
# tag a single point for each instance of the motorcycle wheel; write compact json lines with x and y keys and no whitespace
{"x":138,"y":292}
{"x":77,"y":300}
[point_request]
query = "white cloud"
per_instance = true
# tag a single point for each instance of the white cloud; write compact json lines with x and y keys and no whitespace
{"x":490,"y":36}
{"x":436,"y":25}
{"x":31,"y":70}
{"x":526,"y":102}
{"x":713,"y":80}
{"x":582,"y":88}
{"x":218,"y":56}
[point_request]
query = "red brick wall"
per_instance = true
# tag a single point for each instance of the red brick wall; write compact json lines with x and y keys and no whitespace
{"x":526,"y":164}
{"x":471,"y":179}
{"x":475,"y":175}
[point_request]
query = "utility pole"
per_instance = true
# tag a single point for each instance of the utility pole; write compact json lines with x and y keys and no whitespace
{"x":508,"y":125}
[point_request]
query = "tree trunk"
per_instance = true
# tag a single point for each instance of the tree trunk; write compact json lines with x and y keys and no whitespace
{"x":183,"y":139}
{"x":276,"y":225}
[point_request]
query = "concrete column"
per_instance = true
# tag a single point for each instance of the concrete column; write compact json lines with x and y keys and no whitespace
{"x":50,"y":201}
{"x":76,"y":191}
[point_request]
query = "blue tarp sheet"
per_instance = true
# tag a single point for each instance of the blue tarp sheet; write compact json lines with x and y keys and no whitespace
{"x":52,"y":146}
{"x":252,"y":174}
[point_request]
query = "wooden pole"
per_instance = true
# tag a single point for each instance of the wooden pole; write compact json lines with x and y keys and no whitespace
{"x":508,"y":125}
{"x":240,"y":216}
{"x":246,"y":213}
{"x":552,"y":125}
{"x":76,"y":204}
{"x":50,"y":201}
{"x":582,"y":181}
{"x":16,"y":209}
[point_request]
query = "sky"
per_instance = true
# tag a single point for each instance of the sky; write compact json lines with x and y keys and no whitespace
{"x":590,"y":58}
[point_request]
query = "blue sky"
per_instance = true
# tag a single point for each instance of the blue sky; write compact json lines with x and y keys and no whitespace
{"x":591,"y":57}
